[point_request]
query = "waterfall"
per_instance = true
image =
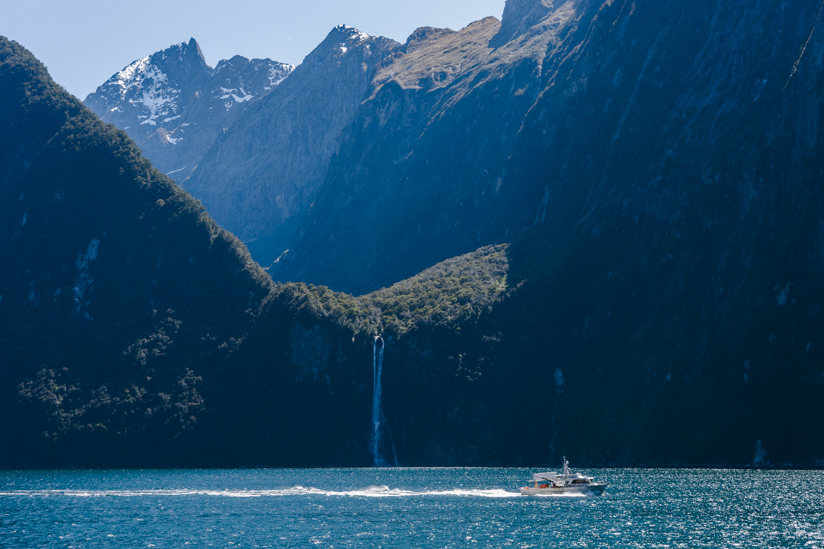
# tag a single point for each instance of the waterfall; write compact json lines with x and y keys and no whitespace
{"x":377,"y":413}
{"x":377,"y":367}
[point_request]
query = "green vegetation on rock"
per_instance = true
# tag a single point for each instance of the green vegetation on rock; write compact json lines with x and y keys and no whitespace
{"x":648,"y":291}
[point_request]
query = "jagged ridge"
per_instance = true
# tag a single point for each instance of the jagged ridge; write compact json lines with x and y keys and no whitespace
{"x":173,"y":104}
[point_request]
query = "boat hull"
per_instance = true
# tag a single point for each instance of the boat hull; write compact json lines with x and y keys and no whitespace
{"x":595,"y":489}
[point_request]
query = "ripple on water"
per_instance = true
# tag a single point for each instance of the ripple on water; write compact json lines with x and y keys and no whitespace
{"x":408,"y":507}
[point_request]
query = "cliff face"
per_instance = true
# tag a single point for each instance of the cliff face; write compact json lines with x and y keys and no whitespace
{"x":657,"y":167}
{"x":135,"y":332}
{"x":420,"y":173}
{"x":315,"y":407}
{"x":174,"y":105}
{"x":653,"y":168}
{"x":265,"y":170}
{"x":462,"y":145}
{"x":680,"y":207}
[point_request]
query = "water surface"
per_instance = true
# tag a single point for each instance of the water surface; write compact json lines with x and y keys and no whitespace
{"x":407,"y":507}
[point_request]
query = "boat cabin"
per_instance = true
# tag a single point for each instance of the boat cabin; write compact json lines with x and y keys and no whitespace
{"x":545,"y":480}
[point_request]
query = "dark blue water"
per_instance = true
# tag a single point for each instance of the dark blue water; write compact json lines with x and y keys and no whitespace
{"x":407,"y":508}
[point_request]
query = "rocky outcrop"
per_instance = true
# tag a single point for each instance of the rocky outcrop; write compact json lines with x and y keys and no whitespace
{"x":173,"y":104}
{"x":260,"y":176}
{"x":521,"y":16}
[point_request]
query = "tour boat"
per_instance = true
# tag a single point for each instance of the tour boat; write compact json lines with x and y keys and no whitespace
{"x":568,"y":482}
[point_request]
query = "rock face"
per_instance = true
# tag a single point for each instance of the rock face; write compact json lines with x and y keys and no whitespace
{"x":420,"y":172}
{"x":135,"y":332}
{"x":522,"y":15}
{"x":464,"y":141}
{"x":649,"y":170}
{"x":259,"y":177}
{"x":174,"y":105}
{"x":657,"y":168}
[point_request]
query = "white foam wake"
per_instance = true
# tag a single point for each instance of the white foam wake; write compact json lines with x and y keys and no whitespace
{"x":370,"y":492}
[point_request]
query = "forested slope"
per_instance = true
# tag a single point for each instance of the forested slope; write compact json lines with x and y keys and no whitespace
{"x":104,"y":326}
{"x":636,"y":258}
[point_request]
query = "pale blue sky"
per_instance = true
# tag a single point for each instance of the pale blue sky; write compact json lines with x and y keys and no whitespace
{"x":84,"y":42}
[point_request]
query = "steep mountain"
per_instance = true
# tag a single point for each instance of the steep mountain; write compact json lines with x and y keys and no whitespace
{"x":656,"y":167}
{"x":420,"y":174}
{"x":262,"y":173}
{"x":104,"y":324}
{"x":173,"y":104}
{"x":135,"y":332}
{"x":649,"y":173}
{"x":467,"y":138}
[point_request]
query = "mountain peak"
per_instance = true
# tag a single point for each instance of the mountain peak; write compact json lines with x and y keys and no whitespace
{"x":193,"y":48}
{"x":342,"y":39}
{"x":173,"y":104}
{"x":188,"y":53}
{"x":345,"y":32}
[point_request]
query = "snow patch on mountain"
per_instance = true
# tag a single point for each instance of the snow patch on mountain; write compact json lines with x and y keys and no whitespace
{"x":174,"y":93}
{"x":128,"y":77}
{"x":351,"y":37}
{"x":230,"y":92}
{"x":354,"y":33}
{"x":150,"y":88}
{"x":278,"y":74}
{"x":145,"y":91}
